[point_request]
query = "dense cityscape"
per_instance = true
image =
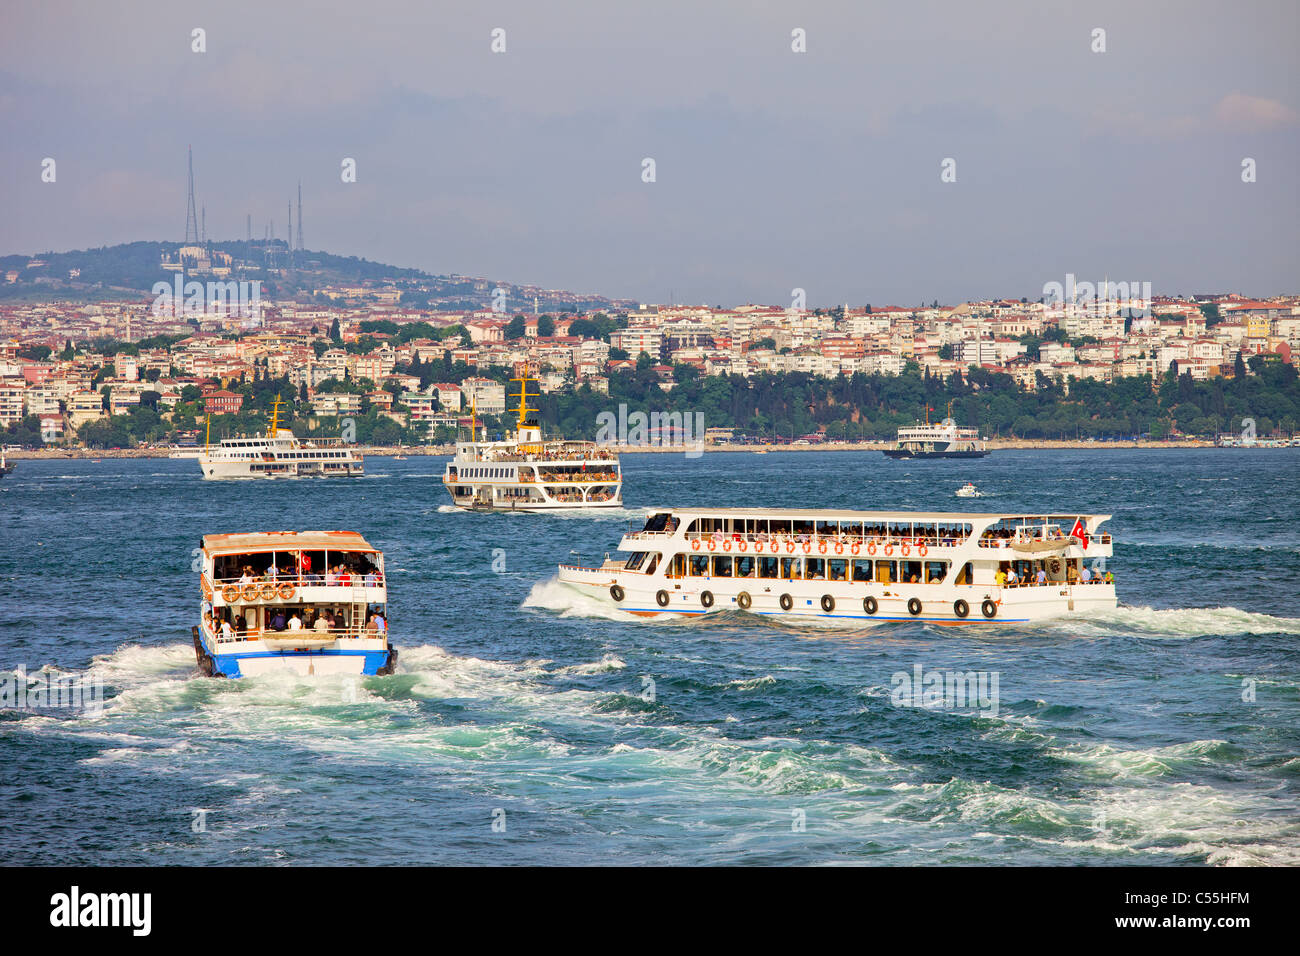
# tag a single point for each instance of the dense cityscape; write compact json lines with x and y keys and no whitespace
{"x":199,"y":358}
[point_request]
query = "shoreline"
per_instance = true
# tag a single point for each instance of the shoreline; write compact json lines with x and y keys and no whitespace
{"x":442,"y":450}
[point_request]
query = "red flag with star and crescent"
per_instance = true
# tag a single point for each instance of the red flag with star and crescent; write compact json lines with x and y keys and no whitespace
{"x":1080,"y":532}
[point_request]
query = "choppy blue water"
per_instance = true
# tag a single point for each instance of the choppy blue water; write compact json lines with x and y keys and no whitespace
{"x":1118,"y":740}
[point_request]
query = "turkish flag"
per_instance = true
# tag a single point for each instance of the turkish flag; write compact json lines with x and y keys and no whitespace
{"x":1078,"y":531}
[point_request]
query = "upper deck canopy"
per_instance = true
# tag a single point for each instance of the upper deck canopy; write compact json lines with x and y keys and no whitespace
{"x":285,"y":541}
{"x":826,"y":514}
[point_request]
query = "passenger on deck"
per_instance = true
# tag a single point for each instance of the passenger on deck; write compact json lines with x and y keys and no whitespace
{"x":1000,"y":577}
{"x":1041,"y":577}
{"x":277,"y":622}
{"x":1085,"y":576}
{"x":322,"y":623}
{"x":227,"y":634}
{"x":295,"y":622}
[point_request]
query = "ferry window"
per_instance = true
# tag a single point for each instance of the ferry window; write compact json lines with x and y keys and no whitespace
{"x":721,"y":566}
{"x":828,"y":528}
{"x":853,"y":528}
{"x":699,"y":565}
{"x":745,"y":567}
{"x":861,"y":569}
{"x":814,"y":569}
{"x":654,"y":563}
{"x":693,"y":527}
{"x":768,"y":567}
{"x":935,"y":571}
{"x":803,"y":527}
{"x":912,"y":572}
{"x":886,"y":571}
{"x":899,"y":530}
{"x":925,"y":531}
{"x":791,"y":567}
{"x":634,"y":563}
{"x":656,"y":522}
{"x":836,"y":569}
{"x":779,"y":527}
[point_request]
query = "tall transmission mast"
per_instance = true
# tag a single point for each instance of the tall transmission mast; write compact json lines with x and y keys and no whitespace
{"x":191,"y":219}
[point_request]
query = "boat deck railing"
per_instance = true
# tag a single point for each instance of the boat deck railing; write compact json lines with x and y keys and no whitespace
{"x":285,"y":587}
{"x":306,"y":633}
{"x":732,"y":541}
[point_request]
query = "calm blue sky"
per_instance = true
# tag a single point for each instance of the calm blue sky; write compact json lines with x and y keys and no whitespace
{"x":774,"y":169}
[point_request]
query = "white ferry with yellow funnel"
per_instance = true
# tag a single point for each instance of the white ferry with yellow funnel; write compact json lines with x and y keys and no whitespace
{"x":528,"y":473}
{"x":279,"y":454}
{"x":303,"y":602}
{"x":945,"y":568}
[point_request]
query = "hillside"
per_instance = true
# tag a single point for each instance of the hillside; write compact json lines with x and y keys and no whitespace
{"x":131,"y":269}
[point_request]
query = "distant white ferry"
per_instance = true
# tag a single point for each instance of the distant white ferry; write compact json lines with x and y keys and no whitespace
{"x":944,"y":439}
{"x":527,"y":473}
{"x":945,"y":568}
{"x":279,"y":454}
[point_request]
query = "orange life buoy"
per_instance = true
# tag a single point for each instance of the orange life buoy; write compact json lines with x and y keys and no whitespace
{"x":268,"y":592}
{"x":713,"y":545}
{"x":923,"y":551}
{"x":856,"y":548}
{"x":743,"y":546}
{"x":789,"y":547}
{"x":250,"y":592}
{"x":821,"y":547}
{"x":726,"y":544}
{"x":286,"y":592}
{"x":905,"y":550}
{"x":889,"y":549}
{"x":871,"y":548}
{"x":695,"y":544}
{"x":839,"y":547}
{"x":230,"y":593}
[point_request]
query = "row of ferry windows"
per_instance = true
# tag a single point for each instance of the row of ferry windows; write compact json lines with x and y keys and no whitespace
{"x":294,"y":454}
{"x":802,"y":568}
{"x":488,"y":473}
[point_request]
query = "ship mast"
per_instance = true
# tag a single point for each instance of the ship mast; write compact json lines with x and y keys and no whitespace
{"x":275,"y":416}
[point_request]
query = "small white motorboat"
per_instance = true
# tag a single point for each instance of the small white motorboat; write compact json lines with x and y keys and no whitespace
{"x":969,"y":490}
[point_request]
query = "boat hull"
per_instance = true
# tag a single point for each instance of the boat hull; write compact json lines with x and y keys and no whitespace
{"x":804,"y":600}
{"x":903,"y":454}
{"x":254,"y":658}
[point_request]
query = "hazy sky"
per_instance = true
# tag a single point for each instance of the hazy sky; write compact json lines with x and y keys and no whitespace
{"x":775,"y":169}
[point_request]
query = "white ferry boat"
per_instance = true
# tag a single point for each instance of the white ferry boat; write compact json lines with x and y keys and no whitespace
{"x":527,"y":473}
{"x":944,"y":439}
{"x":279,"y":454}
{"x":969,"y":490}
{"x":305,"y":602}
{"x":947,"y":568}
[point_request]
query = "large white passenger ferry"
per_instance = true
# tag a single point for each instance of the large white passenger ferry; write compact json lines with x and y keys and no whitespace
{"x":279,"y":454}
{"x":948,"y":568}
{"x":527,"y":473}
{"x":306,"y":602}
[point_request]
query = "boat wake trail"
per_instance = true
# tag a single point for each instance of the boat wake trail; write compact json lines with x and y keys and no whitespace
{"x":1177,"y":623}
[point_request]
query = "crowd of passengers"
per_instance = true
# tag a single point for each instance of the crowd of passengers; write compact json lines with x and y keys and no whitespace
{"x":298,"y":569}
{"x":229,"y":625}
{"x":941,"y":534}
{"x":801,"y":532}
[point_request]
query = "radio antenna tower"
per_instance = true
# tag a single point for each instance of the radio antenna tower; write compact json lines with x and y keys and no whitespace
{"x":191,"y":219}
{"x":300,"y":245}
